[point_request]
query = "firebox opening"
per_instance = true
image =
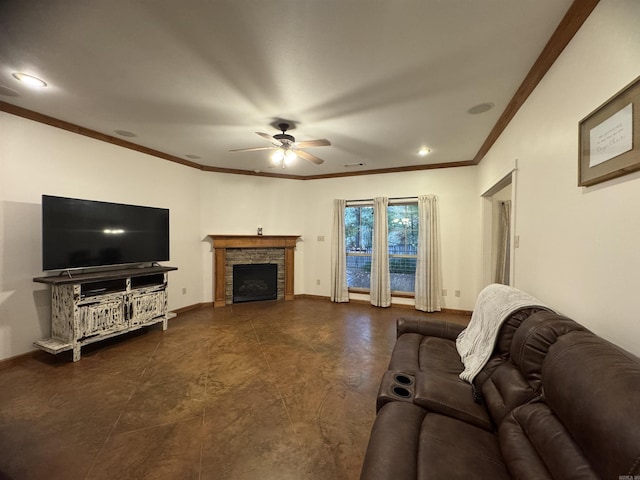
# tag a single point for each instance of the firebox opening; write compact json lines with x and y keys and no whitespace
{"x":255,"y":282}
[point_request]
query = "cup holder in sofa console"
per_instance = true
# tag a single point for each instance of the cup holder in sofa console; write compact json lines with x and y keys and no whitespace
{"x":395,"y":386}
{"x":403,"y":379}
{"x":401,"y":392}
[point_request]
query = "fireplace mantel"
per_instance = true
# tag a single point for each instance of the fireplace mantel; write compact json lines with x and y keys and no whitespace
{"x":223,"y":242}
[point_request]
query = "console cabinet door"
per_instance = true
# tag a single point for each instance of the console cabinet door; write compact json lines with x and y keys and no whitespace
{"x":101,"y":317}
{"x":146,"y":306}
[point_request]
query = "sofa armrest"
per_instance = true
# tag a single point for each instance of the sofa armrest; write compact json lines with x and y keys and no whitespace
{"x":429,"y":327}
{"x":393,"y":448}
{"x":450,"y":396}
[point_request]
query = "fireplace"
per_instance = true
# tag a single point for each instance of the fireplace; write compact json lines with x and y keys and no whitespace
{"x":230,"y":250}
{"x":255,"y":282}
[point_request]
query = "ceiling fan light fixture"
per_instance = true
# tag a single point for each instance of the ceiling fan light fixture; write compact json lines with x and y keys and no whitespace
{"x":424,"y":151}
{"x":285,"y":149}
{"x":289,"y":157}
{"x":277,"y":156}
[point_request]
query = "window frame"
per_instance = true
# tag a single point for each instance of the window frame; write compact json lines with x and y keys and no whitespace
{"x":392,"y":202}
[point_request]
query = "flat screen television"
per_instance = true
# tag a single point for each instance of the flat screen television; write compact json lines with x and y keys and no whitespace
{"x":86,"y":233}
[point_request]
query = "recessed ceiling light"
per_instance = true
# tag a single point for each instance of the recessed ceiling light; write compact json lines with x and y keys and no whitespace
{"x":192,"y":156}
{"x":424,"y":151}
{"x":481,"y":108}
{"x":29,"y":80}
{"x":9,"y":92}
{"x":125,"y":133}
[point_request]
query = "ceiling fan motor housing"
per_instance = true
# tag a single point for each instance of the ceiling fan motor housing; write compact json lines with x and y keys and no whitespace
{"x":283,"y":136}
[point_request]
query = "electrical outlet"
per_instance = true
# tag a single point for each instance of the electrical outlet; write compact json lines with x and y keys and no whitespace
{"x":318,"y":281}
{"x":321,"y":238}
{"x":457,"y":293}
{"x":184,"y":291}
{"x":444,"y":292}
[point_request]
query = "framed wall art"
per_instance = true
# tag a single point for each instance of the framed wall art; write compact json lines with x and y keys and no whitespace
{"x":609,"y":138}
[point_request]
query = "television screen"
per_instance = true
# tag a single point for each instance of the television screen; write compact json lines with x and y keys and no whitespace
{"x":85,"y":233}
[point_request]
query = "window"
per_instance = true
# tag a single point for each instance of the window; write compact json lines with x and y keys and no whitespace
{"x":402,"y":222}
{"x":358,"y":226}
{"x":402,"y":219}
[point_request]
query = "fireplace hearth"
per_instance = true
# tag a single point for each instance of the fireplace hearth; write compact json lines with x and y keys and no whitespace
{"x":255,"y":282}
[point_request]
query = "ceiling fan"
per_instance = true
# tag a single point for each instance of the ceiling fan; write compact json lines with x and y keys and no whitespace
{"x":286,"y":148}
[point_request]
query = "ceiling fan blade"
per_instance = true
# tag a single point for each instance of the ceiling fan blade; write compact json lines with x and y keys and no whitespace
{"x":275,"y":141}
{"x":253,"y":149}
{"x":321,"y":142}
{"x":308,"y":156}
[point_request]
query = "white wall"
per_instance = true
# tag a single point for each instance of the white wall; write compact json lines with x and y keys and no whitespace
{"x":578,"y":246}
{"x":36,"y":159}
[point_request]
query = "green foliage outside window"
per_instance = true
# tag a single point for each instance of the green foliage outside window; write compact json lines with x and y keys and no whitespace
{"x":402,"y":240}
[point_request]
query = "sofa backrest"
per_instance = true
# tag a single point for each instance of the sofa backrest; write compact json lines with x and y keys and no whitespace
{"x":502,"y":348}
{"x":586,"y":425}
{"x":593,"y":387}
{"x":518,"y":380}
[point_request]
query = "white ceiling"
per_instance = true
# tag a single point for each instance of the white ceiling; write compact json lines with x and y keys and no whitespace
{"x":379,"y":79}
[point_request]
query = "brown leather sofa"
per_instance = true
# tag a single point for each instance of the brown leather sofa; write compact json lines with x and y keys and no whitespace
{"x":554,"y":401}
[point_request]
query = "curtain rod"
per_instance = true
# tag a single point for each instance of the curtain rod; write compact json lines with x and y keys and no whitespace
{"x":390,"y":198}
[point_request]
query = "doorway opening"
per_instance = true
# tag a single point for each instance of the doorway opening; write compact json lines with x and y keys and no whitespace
{"x":498,"y":224}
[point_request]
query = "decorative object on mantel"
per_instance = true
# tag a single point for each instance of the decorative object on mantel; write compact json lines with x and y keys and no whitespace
{"x":609,"y":138}
{"x":259,"y":230}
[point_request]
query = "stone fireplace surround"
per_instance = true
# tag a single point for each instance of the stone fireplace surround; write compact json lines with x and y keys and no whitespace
{"x":238,"y":249}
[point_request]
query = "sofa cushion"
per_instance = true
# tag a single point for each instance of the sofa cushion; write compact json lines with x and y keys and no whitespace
{"x":453,"y":449}
{"x":429,"y":327}
{"x":414,"y":352}
{"x":448,"y":395}
{"x":593,"y":387}
{"x":409,"y":443}
{"x":511,"y":326}
{"x":536,"y":446}
{"x":502,"y":348}
{"x":518,"y":380}
{"x":532,"y":341}
{"x":439,"y":355}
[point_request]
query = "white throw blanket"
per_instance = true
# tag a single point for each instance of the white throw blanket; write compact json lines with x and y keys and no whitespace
{"x":494,"y":305}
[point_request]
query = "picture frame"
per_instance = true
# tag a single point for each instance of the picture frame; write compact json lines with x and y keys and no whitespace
{"x":609,"y":138}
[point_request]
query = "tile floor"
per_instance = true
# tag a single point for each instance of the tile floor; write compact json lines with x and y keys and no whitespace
{"x":269,"y":390}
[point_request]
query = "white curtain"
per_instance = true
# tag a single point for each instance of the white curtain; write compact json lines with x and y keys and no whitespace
{"x":428,"y":270}
{"x":504,"y":235}
{"x":339,"y":289}
{"x":380,"y":282}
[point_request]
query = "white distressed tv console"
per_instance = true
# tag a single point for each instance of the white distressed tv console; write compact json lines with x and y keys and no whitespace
{"x":89,"y":307}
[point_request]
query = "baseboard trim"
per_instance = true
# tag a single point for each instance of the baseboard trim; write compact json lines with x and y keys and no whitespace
{"x":195,"y":306}
{"x":13,"y":361}
{"x":313,"y":297}
{"x":452,"y":311}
